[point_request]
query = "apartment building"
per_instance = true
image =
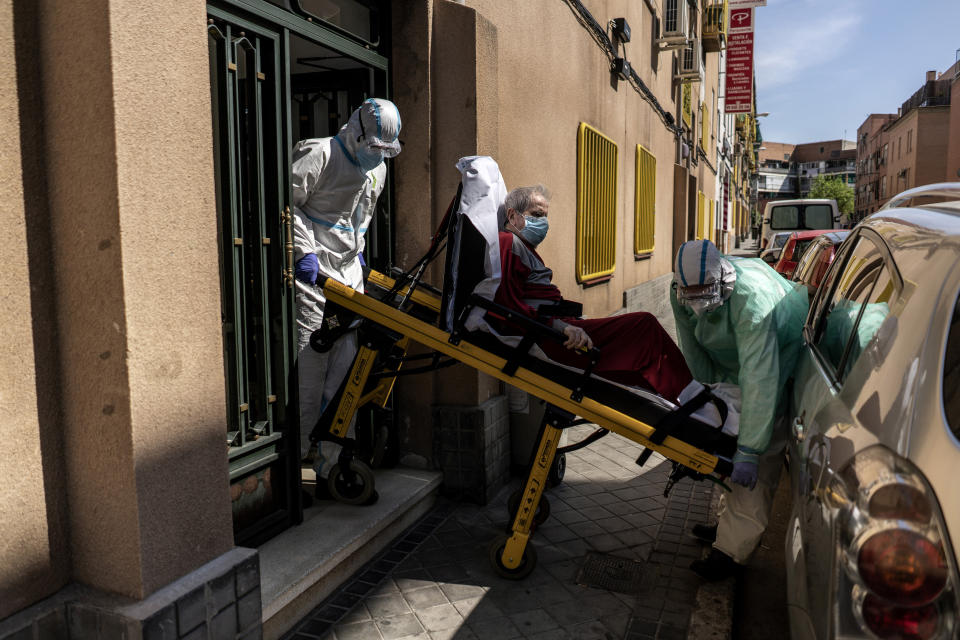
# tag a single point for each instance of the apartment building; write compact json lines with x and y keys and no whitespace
{"x":149,"y":370}
{"x":787,"y":171}
{"x":913,"y":147}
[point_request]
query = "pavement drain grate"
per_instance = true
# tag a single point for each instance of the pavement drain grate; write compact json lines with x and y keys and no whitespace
{"x":612,"y":573}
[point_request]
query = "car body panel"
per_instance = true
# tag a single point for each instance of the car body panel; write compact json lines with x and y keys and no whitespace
{"x":796,"y":245}
{"x":891,"y":395}
{"x":818,"y":257}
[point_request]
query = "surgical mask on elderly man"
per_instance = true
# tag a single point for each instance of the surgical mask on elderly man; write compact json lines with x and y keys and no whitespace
{"x":534,"y":229}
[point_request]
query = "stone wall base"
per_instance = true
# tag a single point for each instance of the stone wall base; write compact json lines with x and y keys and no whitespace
{"x":219,"y":600}
{"x":471,"y":446}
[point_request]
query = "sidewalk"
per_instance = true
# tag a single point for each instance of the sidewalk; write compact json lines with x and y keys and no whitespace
{"x":436,"y":582}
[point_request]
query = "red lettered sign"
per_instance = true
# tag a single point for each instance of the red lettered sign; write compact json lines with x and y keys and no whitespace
{"x":739,"y":89}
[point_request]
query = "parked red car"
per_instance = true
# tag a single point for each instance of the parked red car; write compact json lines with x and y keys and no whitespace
{"x":817,"y":258}
{"x":793,"y":249}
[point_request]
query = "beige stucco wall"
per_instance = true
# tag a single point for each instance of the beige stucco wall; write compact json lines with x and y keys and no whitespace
{"x":31,"y":558}
{"x":553,"y":77}
{"x":126,"y":285}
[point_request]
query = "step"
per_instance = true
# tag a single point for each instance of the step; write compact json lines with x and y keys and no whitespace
{"x":303,"y":565}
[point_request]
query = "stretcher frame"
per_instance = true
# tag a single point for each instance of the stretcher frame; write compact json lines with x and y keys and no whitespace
{"x":387,"y":332}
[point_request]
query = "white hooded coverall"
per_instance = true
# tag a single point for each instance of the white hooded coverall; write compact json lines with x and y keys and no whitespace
{"x":335,"y":195}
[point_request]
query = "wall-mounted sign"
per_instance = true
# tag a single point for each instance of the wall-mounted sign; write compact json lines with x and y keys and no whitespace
{"x":739,"y":87}
{"x":742,"y":4}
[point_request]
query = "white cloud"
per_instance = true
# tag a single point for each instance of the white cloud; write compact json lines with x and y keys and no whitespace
{"x":818,"y":33}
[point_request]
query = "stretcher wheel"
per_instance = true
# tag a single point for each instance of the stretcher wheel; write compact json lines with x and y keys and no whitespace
{"x":541,"y":515}
{"x":351,"y":488}
{"x":557,"y":469}
{"x":527,"y":563}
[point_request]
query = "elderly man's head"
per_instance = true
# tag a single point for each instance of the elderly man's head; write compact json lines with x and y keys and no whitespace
{"x":526,"y":213}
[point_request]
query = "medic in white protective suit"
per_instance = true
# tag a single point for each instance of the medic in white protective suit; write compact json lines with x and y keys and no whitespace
{"x":336,"y":182}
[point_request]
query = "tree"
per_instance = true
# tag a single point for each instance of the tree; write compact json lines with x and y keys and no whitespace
{"x":833,"y":187}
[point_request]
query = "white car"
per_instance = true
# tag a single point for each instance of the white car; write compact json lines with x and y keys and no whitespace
{"x":874,"y":452}
{"x":805,"y":214}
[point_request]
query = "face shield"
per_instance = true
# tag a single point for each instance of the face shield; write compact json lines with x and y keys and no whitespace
{"x":372,"y":133}
{"x":704,"y":278}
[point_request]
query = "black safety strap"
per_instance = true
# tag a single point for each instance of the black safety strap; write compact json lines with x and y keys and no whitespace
{"x":669,"y":422}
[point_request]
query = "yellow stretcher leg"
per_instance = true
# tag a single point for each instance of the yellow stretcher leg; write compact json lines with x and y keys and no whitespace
{"x":512,"y":556}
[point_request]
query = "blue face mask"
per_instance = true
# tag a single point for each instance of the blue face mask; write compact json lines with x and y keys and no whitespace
{"x":534,"y":229}
{"x":368,"y":159}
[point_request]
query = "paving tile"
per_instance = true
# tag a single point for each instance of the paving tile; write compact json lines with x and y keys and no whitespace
{"x":425,"y":597}
{"x":553,"y":634}
{"x":592,"y":630}
{"x":410,"y":580}
{"x":606,"y":542}
{"x":499,"y":628}
{"x":455,"y":591}
{"x":358,"y":614}
{"x":401,"y":626}
{"x":614,"y":524}
{"x":534,"y":621}
{"x":478,"y":608}
{"x":388,"y":605}
{"x":440,"y":617}
{"x":459,"y":633}
{"x":449,"y":573}
{"x":357,"y":631}
{"x":586,"y":529}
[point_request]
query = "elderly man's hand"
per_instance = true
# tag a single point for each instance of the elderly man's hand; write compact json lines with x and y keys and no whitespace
{"x":577,"y":338}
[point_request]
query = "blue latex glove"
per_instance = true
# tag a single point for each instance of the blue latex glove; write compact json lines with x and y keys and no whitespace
{"x":307,"y":268}
{"x":745,"y":474}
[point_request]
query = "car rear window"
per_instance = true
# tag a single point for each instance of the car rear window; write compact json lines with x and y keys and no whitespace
{"x":808,"y":216}
{"x":785,"y":217}
{"x":951,"y":373}
{"x":800,"y":247}
{"x":818,"y":216}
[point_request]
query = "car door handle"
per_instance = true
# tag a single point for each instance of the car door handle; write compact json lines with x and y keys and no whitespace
{"x":799,"y":428}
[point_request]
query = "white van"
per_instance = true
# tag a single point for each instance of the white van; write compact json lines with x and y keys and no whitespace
{"x":798,"y":215}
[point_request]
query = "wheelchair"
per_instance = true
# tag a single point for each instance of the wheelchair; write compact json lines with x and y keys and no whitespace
{"x":454,"y":324}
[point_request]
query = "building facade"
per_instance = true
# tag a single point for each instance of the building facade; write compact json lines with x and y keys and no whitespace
{"x":916,"y":146}
{"x":149,"y":375}
{"x":787,"y":171}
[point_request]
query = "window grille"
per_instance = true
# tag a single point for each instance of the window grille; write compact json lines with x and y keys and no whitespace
{"x":597,"y":165}
{"x":644,"y":215}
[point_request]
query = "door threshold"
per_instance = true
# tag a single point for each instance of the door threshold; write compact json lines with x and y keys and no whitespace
{"x":303,"y":565}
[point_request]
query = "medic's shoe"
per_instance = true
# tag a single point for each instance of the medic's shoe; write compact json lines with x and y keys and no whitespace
{"x":705,"y":533}
{"x":716,"y":566}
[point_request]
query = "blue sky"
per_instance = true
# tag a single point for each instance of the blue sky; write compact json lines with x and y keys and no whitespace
{"x":823,"y":65}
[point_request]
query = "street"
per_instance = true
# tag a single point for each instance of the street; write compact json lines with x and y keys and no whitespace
{"x":436,"y":581}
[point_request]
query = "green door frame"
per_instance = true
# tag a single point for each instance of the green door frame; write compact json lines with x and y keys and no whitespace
{"x":253,"y":138}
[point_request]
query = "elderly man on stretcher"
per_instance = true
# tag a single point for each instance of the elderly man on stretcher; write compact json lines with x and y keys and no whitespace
{"x":635,"y":350}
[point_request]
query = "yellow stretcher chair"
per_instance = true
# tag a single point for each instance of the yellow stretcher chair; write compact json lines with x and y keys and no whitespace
{"x":393,"y":312}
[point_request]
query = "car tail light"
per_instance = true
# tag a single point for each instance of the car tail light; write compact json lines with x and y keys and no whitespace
{"x":903,"y":567}
{"x":900,"y":578}
{"x":899,"y":623}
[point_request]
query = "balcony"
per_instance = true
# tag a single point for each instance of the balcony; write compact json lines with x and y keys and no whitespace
{"x":715,"y":26}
